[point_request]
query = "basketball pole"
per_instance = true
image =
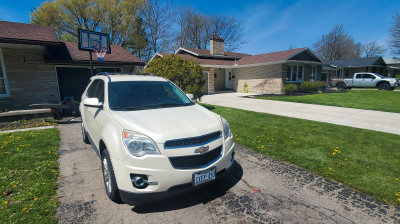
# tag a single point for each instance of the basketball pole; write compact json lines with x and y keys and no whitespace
{"x":91,"y":64}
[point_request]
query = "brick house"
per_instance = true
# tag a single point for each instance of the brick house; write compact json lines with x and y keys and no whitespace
{"x":232,"y":71}
{"x":346,"y":68}
{"x":36,"y":68}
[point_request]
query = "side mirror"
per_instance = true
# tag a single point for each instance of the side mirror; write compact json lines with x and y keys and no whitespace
{"x":92,"y":102}
{"x":190,"y":96}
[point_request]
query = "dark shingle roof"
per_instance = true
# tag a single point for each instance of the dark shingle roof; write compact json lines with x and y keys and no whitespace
{"x":118,"y":54}
{"x":270,"y":57}
{"x":28,"y":32}
{"x":358,"y":62}
{"x":207,"y":52}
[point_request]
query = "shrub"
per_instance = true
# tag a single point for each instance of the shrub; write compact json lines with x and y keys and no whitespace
{"x":290,"y":88}
{"x":306,"y":86}
{"x":186,"y":74}
{"x":319,"y":85}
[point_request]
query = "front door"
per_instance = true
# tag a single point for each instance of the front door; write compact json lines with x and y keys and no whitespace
{"x":228,"y":78}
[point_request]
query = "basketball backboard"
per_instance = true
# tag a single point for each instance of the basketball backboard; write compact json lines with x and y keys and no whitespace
{"x":90,"y":40}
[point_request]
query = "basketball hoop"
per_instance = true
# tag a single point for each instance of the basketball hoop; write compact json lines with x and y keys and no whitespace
{"x":100,"y":53}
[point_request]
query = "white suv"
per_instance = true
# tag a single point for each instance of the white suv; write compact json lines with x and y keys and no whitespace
{"x":151,"y":138}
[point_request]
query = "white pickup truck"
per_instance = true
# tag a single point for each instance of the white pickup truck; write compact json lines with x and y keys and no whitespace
{"x":366,"y":80}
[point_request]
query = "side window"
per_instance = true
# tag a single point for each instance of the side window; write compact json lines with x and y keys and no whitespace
{"x":91,"y":92}
{"x":358,"y":76}
{"x":100,"y":91}
{"x":368,"y":76}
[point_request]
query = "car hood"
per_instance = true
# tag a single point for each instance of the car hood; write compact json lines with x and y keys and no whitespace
{"x":170,"y":123}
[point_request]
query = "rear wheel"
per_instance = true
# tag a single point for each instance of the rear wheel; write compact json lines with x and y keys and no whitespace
{"x":341,"y":86}
{"x":110,"y":183}
{"x":384,"y":86}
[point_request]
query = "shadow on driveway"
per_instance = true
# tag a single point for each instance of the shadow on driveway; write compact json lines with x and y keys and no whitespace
{"x":202,"y":195}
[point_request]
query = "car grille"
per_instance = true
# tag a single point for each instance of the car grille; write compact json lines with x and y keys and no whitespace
{"x":196,"y":161}
{"x":195,"y":141}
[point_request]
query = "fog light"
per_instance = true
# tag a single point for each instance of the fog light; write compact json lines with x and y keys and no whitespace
{"x":139,"y":181}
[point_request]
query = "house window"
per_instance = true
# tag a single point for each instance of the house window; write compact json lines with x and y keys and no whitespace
{"x":4,"y":91}
{"x":295,"y":73}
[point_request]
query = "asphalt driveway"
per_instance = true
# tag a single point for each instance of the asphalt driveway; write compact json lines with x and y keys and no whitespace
{"x":258,"y":190}
{"x":365,"y":119}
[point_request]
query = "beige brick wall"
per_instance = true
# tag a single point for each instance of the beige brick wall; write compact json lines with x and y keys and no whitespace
{"x":30,"y":79}
{"x":253,"y":76}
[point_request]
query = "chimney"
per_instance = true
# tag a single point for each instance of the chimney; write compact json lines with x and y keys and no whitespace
{"x":217,"y":46}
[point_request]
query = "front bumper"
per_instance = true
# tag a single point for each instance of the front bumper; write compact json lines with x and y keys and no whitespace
{"x":133,"y":199}
{"x":159,"y":169}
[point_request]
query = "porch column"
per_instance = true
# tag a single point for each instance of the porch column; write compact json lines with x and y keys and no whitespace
{"x":212,"y":79}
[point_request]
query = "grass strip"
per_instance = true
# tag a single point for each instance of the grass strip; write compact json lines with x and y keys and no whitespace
{"x":28,"y":176}
{"x":387,"y":101}
{"x":367,"y":161}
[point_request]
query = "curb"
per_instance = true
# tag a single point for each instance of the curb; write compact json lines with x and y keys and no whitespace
{"x":26,"y":129}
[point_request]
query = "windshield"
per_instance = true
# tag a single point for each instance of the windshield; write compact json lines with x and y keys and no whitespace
{"x":141,"y":95}
{"x":378,"y":75}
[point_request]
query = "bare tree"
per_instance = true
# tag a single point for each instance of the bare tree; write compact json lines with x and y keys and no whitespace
{"x":394,"y":39}
{"x":372,"y":49}
{"x":196,"y":29}
{"x":336,"y":45}
{"x":192,"y":26}
{"x":158,"y":20}
{"x":263,"y":85}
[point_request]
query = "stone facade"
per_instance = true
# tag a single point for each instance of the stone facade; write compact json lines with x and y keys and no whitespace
{"x":30,"y":79}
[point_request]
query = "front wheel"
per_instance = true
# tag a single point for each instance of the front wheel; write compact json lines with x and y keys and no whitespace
{"x":384,"y":86}
{"x":85,"y":137}
{"x":110,"y":183}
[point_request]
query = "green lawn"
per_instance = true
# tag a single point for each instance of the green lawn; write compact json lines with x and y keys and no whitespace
{"x":388,"y":101}
{"x":367,"y":161}
{"x":28,"y":176}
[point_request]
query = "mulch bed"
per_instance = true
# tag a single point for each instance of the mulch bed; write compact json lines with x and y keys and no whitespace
{"x":22,"y":124}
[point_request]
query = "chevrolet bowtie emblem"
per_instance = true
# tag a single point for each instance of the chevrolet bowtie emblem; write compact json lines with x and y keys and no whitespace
{"x":202,"y":149}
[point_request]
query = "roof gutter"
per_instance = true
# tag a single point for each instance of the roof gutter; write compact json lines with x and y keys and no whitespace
{"x":261,"y":64}
{"x":30,"y":42}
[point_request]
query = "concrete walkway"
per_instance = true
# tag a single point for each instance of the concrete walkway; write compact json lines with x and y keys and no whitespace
{"x":365,"y":119}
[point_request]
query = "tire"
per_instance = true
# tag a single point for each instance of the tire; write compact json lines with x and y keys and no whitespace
{"x":85,"y":137}
{"x":110,"y":184}
{"x":384,"y":86}
{"x":392,"y":88}
{"x":341,"y":86}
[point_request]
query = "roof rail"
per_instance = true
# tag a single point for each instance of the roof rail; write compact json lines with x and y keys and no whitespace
{"x":104,"y":73}
{"x":121,"y":73}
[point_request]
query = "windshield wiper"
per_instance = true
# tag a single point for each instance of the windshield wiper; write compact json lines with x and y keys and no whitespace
{"x":165,"y":105}
{"x":127,"y":108}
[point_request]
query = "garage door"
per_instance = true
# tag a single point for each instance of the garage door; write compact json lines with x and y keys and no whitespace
{"x":73,"y":81}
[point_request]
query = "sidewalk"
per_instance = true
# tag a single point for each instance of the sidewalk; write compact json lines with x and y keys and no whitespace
{"x":365,"y":119}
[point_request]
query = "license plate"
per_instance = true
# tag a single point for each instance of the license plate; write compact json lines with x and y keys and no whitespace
{"x":203,"y":176}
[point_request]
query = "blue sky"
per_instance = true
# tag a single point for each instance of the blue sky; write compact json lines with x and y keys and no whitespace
{"x":276,"y":25}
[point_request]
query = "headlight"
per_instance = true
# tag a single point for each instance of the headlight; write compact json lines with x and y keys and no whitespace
{"x":227,"y":129}
{"x":138,"y":144}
